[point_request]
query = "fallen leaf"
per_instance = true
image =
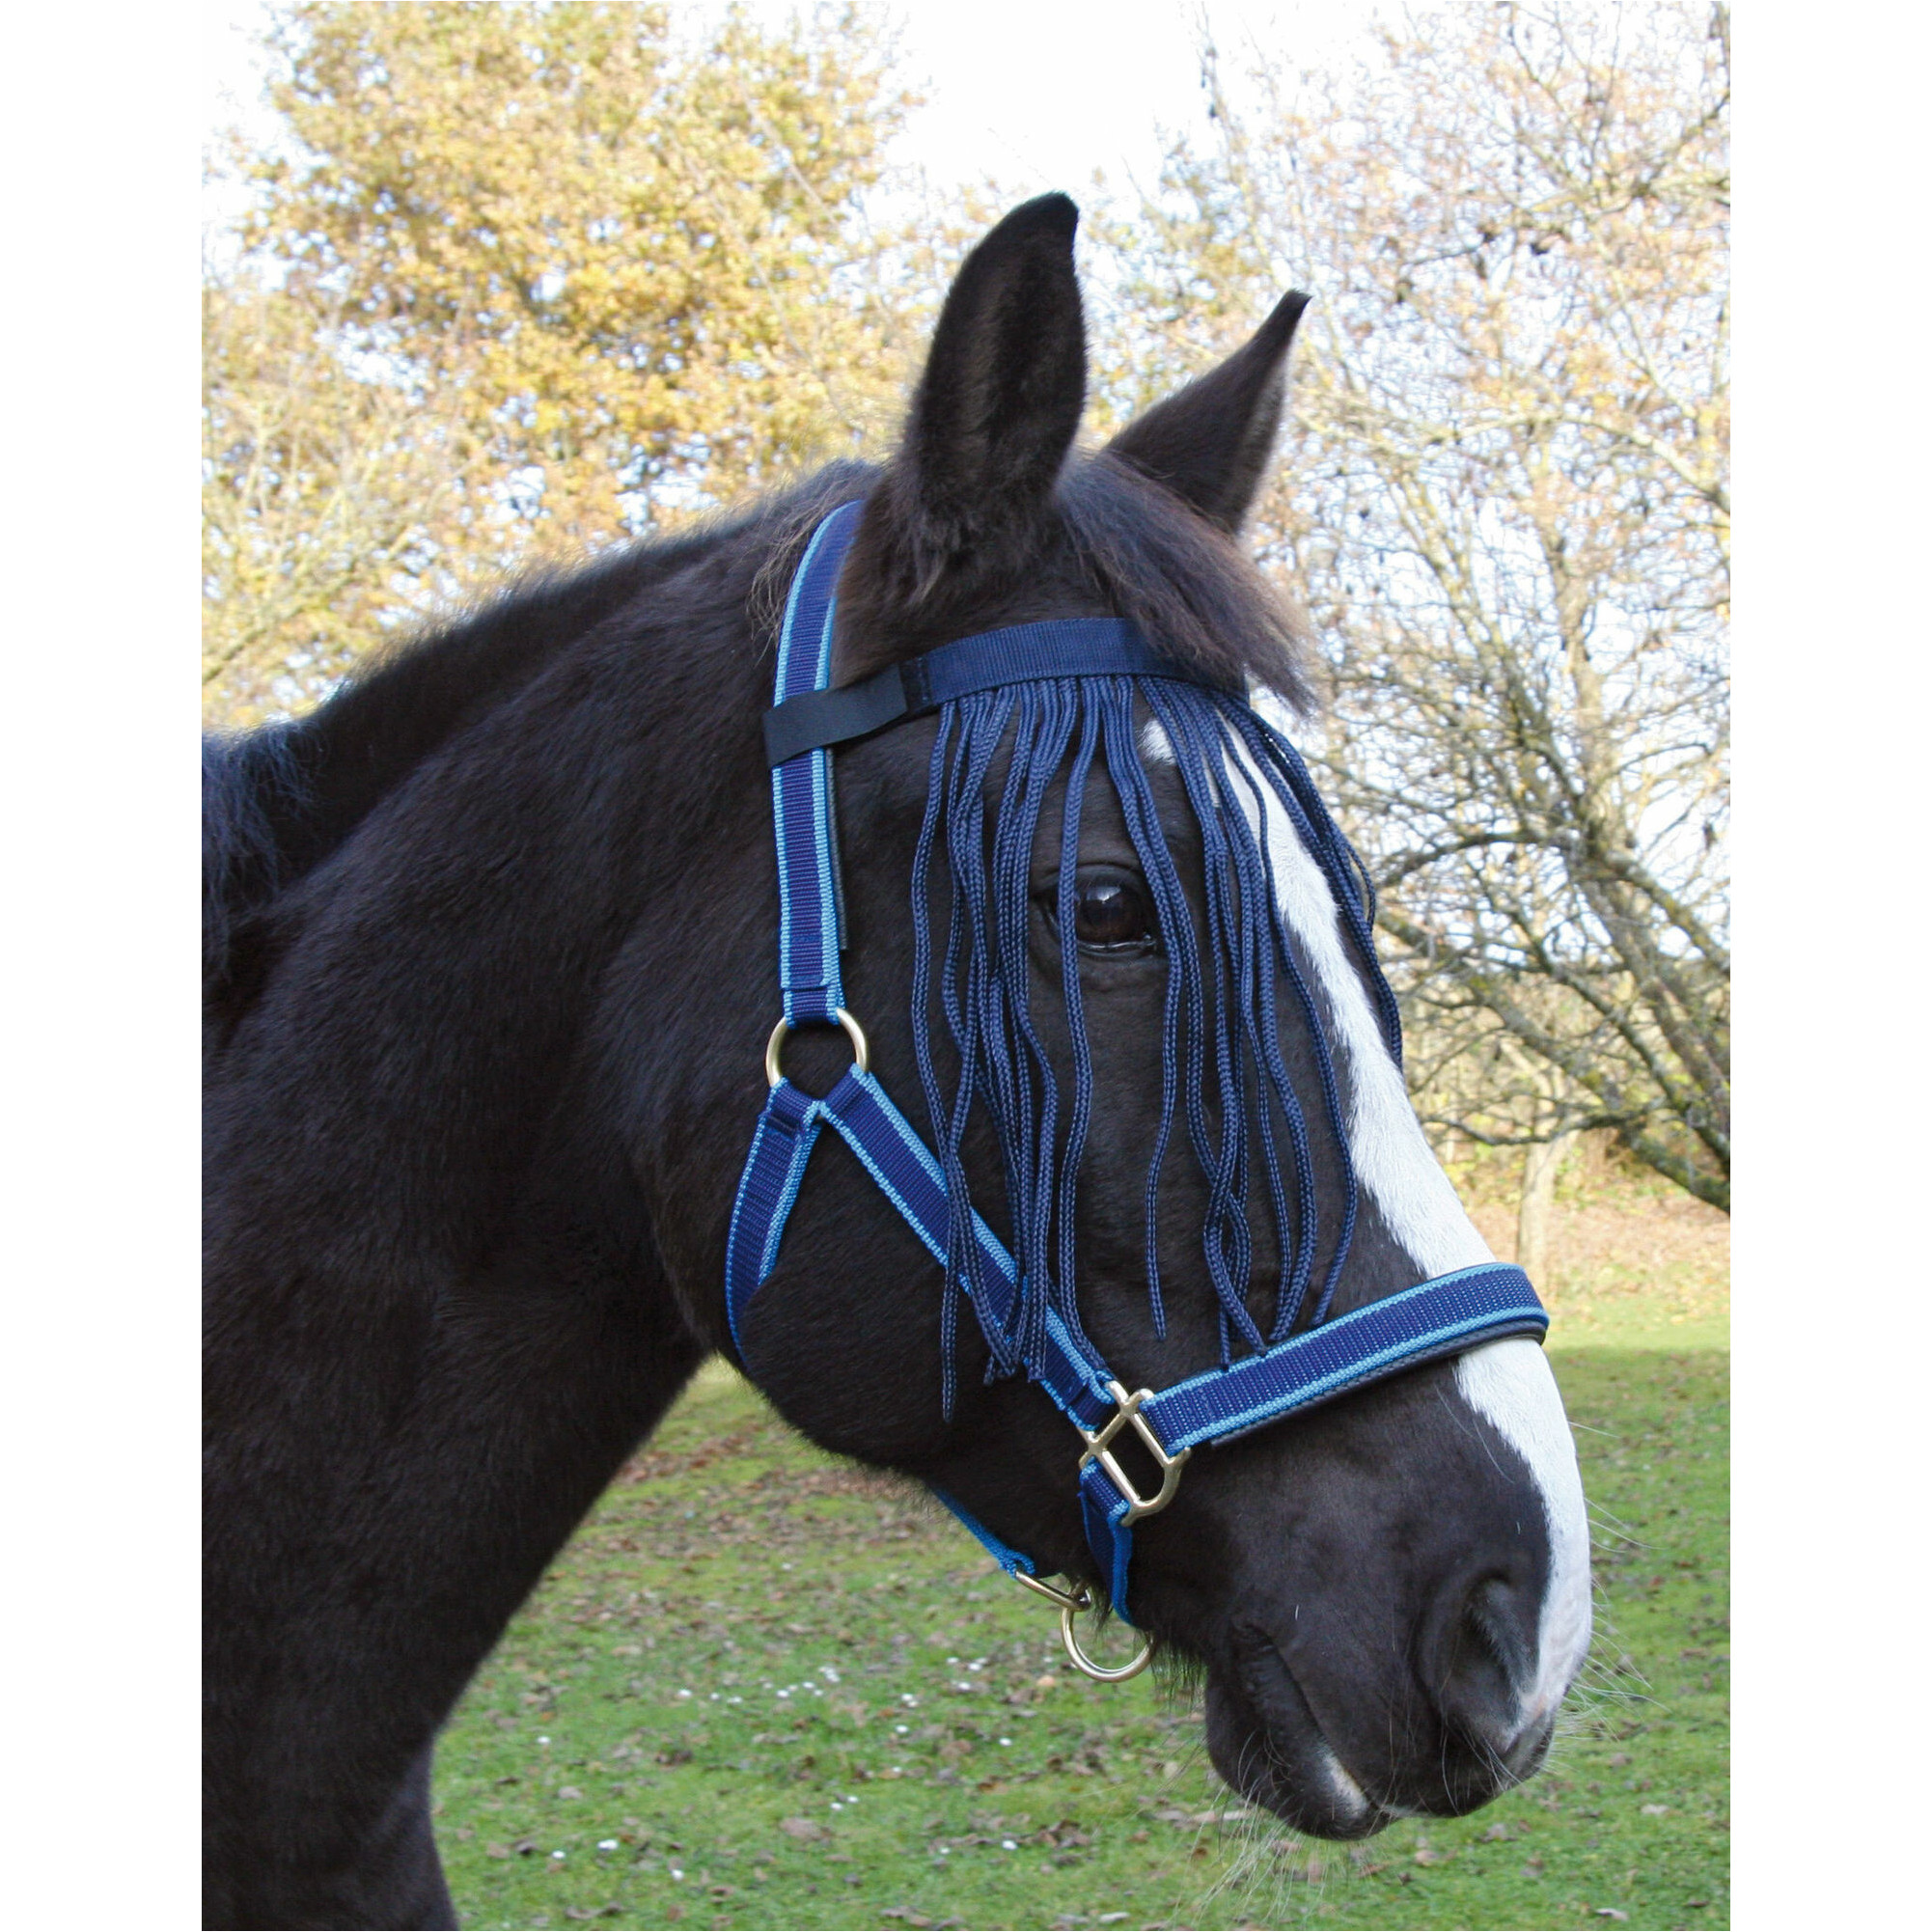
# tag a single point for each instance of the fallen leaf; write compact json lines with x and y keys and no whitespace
{"x":569,"y":1791}
{"x":802,"y":1828}
{"x":1611,"y":1912}
{"x":498,"y":1852}
{"x":1495,"y":1833}
{"x":1655,"y":1810}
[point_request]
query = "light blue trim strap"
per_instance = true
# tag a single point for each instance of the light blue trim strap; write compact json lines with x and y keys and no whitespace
{"x":1110,"y":1536}
{"x":892,"y":1152}
{"x":1008,"y":1559}
{"x":781,"y":1145}
{"x":1443,"y":1316}
{"x":801,"y":788}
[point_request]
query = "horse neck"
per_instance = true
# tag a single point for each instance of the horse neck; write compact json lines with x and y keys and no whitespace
{"x":436,"y":972}
{"x":438,"y":1312}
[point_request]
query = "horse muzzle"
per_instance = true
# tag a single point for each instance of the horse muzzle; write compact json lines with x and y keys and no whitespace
{"x":1339,"y":1751}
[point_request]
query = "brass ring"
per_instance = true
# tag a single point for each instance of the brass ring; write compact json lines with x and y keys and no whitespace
{"x":1083,"y":1662}
{"x":854,"y":1033}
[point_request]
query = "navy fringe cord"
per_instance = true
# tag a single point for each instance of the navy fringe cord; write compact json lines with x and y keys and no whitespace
{"x":1224,"y":1080}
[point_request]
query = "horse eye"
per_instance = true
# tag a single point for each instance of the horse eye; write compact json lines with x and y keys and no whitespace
{"x":1111,"y":914}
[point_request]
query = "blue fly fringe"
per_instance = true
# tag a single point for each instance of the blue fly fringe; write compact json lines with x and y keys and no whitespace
{"x":1223,"y":1075}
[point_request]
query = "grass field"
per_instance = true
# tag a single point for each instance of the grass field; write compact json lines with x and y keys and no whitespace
{"x":765,"y":1689}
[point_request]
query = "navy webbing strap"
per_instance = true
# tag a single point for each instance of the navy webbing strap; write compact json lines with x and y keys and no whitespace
{"x":1438,"y":1318}
{"x":1443,"y":1316}
{"x":1055,"y":648}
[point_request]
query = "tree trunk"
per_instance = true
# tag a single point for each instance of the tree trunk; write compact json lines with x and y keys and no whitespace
{"x":1541,"y":1165}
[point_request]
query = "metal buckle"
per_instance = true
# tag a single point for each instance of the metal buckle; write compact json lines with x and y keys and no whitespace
{"x":1076,"y":1598}
{"x":1129,"y":1411}
{"x":861,"y":1059}
{"x":1071,"y":1603}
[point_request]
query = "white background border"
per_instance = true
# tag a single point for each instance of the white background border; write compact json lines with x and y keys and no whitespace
{"x":102,"y":135}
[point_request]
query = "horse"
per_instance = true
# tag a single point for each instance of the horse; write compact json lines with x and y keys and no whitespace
{"x":488,"y":961}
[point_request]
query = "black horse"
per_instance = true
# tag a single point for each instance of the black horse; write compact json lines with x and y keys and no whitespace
{"x":489,"y":969}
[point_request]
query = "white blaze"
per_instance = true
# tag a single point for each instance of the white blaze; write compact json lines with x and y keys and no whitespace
{"x":1508,"y":1382}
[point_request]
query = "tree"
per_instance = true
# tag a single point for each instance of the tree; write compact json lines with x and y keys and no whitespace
{"x":1507,"y":502}
{"x":319,"y":490}
{"x":527,"y":278}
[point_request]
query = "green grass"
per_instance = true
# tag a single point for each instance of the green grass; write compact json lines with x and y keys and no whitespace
{"x":647,"y":1716}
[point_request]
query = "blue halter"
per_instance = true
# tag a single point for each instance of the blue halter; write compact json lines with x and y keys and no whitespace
{"x":1295,"y":1371}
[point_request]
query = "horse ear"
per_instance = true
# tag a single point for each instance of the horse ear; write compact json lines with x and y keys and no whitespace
{"x":1210,"y":442}
{"x":1000,"y":400}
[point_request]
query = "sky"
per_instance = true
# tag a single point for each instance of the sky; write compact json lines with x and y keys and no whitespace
{"x":1042,"y":92}
{"x":1036,"y":94}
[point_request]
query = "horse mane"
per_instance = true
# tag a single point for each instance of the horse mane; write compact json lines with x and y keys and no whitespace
{"x":250,"y":781}
{"x":279,"y":798}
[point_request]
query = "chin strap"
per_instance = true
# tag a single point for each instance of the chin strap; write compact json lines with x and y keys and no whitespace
{"x":1440,"y":1317}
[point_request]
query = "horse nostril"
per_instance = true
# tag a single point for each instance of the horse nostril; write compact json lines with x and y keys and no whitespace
{"x":1488,"y":1671}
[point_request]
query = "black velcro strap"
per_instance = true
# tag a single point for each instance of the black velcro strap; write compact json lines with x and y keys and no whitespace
{"x":815,"y":718}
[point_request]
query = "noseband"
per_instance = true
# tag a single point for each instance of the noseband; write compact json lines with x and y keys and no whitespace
{"x":1440,"y":1317}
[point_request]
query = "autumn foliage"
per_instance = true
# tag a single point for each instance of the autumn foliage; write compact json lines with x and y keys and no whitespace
{"x":524,"y":280}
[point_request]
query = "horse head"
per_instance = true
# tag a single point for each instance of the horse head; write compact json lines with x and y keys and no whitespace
{"x":1390,"y":1593}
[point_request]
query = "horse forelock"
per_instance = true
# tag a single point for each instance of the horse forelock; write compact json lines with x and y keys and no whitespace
{"x":1189,"y":586}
